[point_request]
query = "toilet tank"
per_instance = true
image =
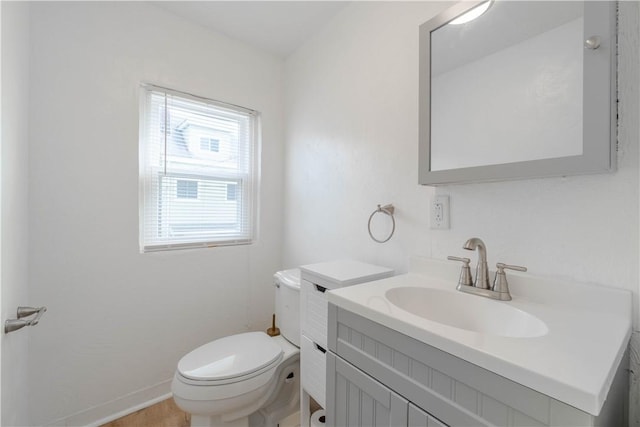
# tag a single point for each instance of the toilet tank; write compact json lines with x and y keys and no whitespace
{"x":288,"y":304}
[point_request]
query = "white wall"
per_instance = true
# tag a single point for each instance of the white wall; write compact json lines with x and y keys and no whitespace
{"x":352,"y":136}
{"x":118,"y":321}
{"x":14,"y":179}
{"x":352,"y":142}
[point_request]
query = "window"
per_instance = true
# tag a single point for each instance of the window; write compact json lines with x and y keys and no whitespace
{"x":186,"y":189}
{"x":231,"y":192}
{"x":210,"y":144}
{"x":197,"y":171}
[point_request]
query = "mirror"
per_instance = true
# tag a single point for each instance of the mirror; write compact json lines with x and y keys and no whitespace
{"x":526,"y":89}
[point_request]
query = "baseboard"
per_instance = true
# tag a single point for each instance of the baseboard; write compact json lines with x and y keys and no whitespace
{"x":117,"y":408}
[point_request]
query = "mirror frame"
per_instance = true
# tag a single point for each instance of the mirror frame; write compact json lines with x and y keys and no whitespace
{"x":599,"y":119}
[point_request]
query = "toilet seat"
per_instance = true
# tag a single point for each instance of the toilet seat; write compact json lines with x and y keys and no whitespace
{"x":230,"y":359}
{"x":220,"y":391}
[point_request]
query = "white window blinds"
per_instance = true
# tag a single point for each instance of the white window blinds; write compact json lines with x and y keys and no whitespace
{"x":197,"y":171}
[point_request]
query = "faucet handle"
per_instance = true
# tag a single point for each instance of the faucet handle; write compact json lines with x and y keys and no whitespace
{"x":500,"y":283}
{"x":466,"y":261}
{"x":501,"y":267}
{"x":465,"y":274}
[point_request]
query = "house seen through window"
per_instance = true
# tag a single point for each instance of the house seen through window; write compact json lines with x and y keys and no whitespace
{"x":210,"y":144}
{"x":197,"y":171}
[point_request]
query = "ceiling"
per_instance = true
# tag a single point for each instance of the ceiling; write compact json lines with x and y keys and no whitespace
{"x":279,"y":27}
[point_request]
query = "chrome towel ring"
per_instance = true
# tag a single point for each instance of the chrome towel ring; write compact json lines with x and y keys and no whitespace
{"x":387,"y":210}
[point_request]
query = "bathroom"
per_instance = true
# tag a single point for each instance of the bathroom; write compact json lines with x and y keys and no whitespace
{"x":339,"y":136}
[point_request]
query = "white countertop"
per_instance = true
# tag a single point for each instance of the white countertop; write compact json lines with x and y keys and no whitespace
{"x":575,"y":362}
{"x":344,"y":272}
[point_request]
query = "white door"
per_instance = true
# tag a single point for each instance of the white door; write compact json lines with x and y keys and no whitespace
{"x":14,"y":214}
{"x":1,"y":121}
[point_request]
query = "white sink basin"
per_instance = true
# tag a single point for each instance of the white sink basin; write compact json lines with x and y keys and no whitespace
{"x":469,"y":312}
{"x":560,"y":338}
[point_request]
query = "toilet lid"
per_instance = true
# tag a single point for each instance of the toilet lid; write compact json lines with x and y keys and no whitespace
{"x":230,"y":357}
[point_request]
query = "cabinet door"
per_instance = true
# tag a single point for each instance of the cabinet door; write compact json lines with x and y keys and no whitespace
{"x":356,"y":399}
{"x":420,"y":418}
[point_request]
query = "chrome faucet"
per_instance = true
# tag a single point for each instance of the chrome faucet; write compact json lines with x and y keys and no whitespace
{"x":500,"y":288}
{"x":482,"y":269}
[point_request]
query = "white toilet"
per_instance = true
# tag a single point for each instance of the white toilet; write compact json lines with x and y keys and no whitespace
{"x":248,"y":379}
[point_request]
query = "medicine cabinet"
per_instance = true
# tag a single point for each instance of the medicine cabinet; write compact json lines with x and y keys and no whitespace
{"x":527,"y":89}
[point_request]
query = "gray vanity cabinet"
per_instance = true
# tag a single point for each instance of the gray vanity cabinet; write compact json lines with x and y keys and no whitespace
{"x":360,"y":400}
{"x":420,"y":418}
{"x":377,"y":376}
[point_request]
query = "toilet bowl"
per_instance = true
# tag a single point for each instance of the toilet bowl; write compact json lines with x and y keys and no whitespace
{"x":248,"y":379}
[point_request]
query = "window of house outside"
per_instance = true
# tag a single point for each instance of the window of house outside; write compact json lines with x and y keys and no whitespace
{"x":210,"y":144}
{"x":186,"y":189}
{"x":198,"y":180}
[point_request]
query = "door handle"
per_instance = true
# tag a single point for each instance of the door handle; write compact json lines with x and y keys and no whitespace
{"x":11,"y":325}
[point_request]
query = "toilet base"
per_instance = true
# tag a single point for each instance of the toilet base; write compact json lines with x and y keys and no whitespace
{"x":284,"y":401}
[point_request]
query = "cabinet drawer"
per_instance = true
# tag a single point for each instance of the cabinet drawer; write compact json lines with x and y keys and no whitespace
{"x":314,"y":312}
{"x":313,"y":365}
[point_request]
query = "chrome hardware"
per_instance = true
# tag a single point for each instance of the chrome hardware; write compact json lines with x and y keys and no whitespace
{"x":387,"y":210}
{"x":500,"y":284}
{"x":28,"y":311}
{"x":11,"y":325}
{"x":592,"y":42}
{"x":465,"y":273}
{"x":500,"y":288}
{"x":482,"y":269}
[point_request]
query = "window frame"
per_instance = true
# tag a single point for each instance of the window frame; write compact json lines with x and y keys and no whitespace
{"x":246,"y":181}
